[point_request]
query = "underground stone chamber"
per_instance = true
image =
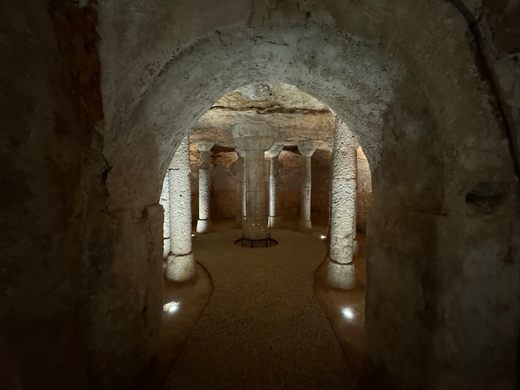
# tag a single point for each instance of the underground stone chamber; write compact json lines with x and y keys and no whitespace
{"x":242,"y":122}
{"x":102,"y":95}
{"x":283,"y":174}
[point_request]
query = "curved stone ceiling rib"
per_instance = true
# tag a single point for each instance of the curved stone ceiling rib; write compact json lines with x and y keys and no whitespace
{"x":356,"y":78}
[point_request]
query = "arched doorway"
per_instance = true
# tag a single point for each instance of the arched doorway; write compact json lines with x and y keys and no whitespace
{"x":82,"y":237}
{"x":263,"y":298}
{"x":407,"y":133}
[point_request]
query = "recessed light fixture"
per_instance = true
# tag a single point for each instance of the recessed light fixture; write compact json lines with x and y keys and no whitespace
{"x":171,"y":307}
{"x":348,"y":313}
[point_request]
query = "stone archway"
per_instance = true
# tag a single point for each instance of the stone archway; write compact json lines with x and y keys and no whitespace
{"x":414,"y":138}
{"x":341,"y":71}
{"x":86,"y":146}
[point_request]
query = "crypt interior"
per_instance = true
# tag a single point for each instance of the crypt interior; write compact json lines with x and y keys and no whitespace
{"x":260,"y":195}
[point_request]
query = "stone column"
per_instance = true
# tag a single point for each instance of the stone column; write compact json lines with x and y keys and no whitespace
{"x":203,"y":224}
{"x":254,"y":138}
{"x":330,"y":148}
{"x":307,"y":149}
{"x":354,"y":218}
{"x":164,"y":201}
{"x":241,"y":188}
{"x":181,"y":263}
{"x":274,"y":215}
{"x":340,"y":266}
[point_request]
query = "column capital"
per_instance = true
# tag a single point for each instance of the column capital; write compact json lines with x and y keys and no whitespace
{"x":205,"y":145}
{"x":253,"y":136}
{"x":307,"y":148}
{"x":240,"y":153}
{"x":274,"y":151}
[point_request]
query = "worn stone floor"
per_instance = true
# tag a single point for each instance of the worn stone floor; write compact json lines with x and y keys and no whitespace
{"x":263,"y":327}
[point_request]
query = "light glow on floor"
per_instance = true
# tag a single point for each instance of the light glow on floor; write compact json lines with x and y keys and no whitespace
{"x":323,"y":236}
{"x":348,"y":313}
{"x":171,"y":307}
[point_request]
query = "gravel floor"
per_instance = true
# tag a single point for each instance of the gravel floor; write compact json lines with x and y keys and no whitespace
{"x":263,"y":327}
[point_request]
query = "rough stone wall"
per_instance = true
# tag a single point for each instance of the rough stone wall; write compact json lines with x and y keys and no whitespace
{"x":80,"y":301}
{"x":499,"y":22}
{"x":442,"y":288}
{"x":47,"y":115}
{"x":122,"y":311}
{"x":432,"y":248}
{"x":402,"y":239}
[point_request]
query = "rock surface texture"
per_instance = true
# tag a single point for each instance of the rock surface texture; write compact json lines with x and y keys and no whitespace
{"x":96,"y":97}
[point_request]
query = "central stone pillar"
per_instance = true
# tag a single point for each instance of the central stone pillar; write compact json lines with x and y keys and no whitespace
{"x":203,"y":224}
{"x":181,"y":263}
{"x":307,"y":149}
{"x":274,"y":214}
{"x":254,"y":138}
{"x":340,"y":265}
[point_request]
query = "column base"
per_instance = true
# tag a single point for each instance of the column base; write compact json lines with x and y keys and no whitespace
{"x":180,"y":268}
{"x":342,"y":276}
{"x":203,"y":225}
{"x":273,"y":221}
{"x":305,"y":226}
